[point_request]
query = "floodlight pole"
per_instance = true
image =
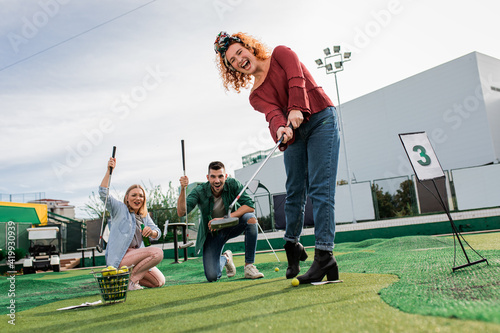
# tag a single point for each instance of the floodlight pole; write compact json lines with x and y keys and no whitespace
{"x":339,"y":66}
{"x":345,"y":151}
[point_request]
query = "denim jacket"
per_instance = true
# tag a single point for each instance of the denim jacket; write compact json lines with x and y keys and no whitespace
{"x":122,"y":227}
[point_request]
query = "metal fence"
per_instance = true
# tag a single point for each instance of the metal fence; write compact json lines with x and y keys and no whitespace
{"x":462,"y":189}
{"x":22,"y":197}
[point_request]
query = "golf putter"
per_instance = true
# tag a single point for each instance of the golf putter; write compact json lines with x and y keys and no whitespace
{"x":263,"y":233}
{"x":188,"y":244}
{"x":227,"y":220}
{"x":99,"y":246}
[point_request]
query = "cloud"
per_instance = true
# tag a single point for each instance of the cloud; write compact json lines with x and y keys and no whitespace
{"x":83,"y":84}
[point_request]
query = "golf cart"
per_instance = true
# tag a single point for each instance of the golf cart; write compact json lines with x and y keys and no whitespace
{"x":43,"y":254}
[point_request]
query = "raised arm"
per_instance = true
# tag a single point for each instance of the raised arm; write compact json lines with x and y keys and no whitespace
{"x":181,"y":202}
{"x":111,"y":165}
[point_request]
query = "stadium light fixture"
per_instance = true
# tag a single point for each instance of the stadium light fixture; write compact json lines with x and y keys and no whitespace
{"x":339,"y":66}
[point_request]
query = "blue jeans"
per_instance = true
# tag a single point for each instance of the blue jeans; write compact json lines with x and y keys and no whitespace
{"x":213,"y":260}
{"x":311,"y":168}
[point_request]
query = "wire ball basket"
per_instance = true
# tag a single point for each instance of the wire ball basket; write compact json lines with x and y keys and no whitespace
{"x":113,"y":283}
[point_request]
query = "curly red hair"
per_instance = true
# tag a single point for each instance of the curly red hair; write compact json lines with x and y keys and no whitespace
{"x":234,"y":79}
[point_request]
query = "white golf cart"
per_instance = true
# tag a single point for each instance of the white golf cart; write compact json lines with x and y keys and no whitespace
{"x":43,"y":254}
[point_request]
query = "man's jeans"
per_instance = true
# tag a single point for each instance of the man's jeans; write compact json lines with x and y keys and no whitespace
{"x":213,"y":260}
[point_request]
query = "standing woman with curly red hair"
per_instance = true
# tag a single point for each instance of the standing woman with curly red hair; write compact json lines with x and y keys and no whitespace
{"x":295,"y":106}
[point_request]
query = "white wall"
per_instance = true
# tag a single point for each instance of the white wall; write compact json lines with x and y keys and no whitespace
{"x":489,"y":72}
{"x":273,"y":176}
{"x":477,"y":187}
{"x":363,"y":203}
{"x":443,"y":101}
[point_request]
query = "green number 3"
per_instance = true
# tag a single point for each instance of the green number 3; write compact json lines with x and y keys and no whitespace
{"x":421,"y":150}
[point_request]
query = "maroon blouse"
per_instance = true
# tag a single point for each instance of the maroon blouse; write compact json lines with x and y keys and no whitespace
{"x":288,"y":86}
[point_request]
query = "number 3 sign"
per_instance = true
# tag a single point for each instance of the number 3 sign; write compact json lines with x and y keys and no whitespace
{"x":421,"y":155}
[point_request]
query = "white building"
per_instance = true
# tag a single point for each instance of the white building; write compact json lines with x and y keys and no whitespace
{"x":457,"y":104}
{"x":60,"y":207}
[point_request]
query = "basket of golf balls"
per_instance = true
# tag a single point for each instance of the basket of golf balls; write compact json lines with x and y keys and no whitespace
{"x":113,"y":283}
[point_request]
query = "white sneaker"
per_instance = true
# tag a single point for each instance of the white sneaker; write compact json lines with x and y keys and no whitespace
{"x":134,"y":286}
{"x":230,"y":268}
{"x":251,"y":272}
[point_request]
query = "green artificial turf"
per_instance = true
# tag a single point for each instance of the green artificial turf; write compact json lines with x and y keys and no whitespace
{"x":403,"y":284}
{"x":246,"y":306}
{"x":427,"y":282}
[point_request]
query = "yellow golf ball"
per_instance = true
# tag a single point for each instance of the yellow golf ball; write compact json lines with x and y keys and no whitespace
{"x":295,"y":282}
{"x":110,"y":270}
{"x":276,"y":269}
{"x":105,"y":271}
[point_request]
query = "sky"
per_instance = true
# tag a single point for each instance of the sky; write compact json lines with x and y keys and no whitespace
{"x":79,"y":77}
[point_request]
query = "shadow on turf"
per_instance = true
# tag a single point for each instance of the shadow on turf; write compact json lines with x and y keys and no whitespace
{"x":230,"y":323}
{"x":123,"y":318}
{"x":171,"y":304}
{"x":426,"y":278}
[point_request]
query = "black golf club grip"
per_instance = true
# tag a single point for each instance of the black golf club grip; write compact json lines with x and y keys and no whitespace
{"x":183,"y":157}
{"x":112,"y":155}
{"x":283,"y":135}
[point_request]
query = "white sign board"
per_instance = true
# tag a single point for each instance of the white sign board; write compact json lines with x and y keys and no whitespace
{"x":42,"y":233}
{"x":421,"y":155}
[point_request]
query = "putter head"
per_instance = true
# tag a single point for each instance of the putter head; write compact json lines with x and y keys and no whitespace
{"x":225,"y":223}
{"x":98,"y":248}
{"x":185,"y":246}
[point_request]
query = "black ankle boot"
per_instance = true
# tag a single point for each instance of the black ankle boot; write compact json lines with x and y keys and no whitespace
{"x":294,"y":253}
{"x":324,"y":264}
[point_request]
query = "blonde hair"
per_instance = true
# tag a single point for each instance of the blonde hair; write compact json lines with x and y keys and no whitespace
{"x":232,"y":78}
{"x":143,"y":210}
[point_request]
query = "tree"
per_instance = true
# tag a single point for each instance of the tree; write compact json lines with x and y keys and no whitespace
{"x":342,"y":182}
{"x":384,"y":202}
{"x":95,"y":207}
{"x":266,"y":222}
{"x":163,"y":207}
{"x":398,"y":205}
{"x":403,"y":198}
